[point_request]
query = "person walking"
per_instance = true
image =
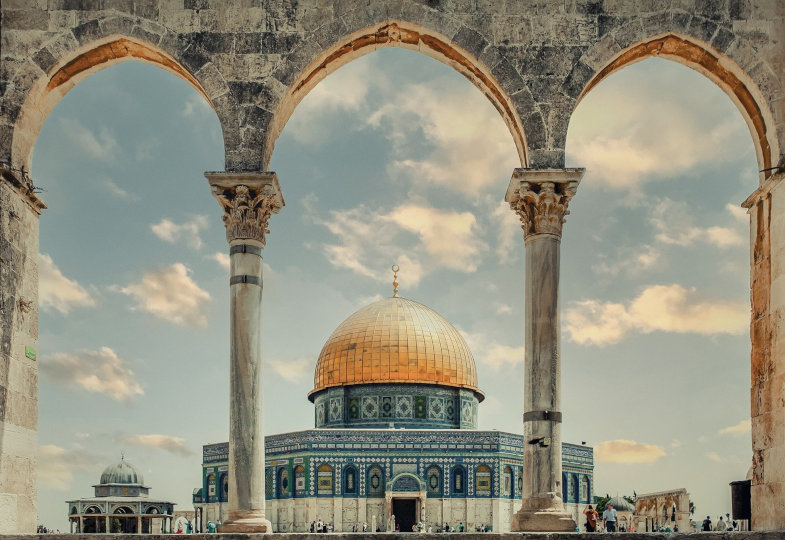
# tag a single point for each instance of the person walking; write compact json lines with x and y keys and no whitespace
{"x":609,"y":518}
{"x":591,"y":518}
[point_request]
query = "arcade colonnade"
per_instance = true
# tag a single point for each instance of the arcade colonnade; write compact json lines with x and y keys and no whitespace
{"x":254,"y":63}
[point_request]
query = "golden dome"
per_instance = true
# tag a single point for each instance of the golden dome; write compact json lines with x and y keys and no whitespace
{"x":395,"y":340}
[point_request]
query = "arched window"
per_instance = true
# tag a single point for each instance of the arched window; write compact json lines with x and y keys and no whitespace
{"x":519,"y":483}
{"x":434,"y":479}
{"x":482,"y":481}
{"x":584,"y":489}
{"x":375,"y":482}
{"x":223,"y":496}
{"x":269,"y":483}
{"x":211,"y":486}
{"x":575,"y":488}
{"x":324,"y":484}
{"x":284,"y":486}
{"x":299,"y":481}
{"x":458,"y":480}
{"x":350,"y":480}
{"x":565,"y":487}
{"x":507,"y":483}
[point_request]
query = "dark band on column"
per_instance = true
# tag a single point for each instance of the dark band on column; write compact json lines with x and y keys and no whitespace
{"x":552,"y":416}
{"x":245,"y":278}
{"x":245,"y":248}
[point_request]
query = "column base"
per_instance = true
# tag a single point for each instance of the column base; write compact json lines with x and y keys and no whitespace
{"x":542,"y":521}
{"x":248,"y":521}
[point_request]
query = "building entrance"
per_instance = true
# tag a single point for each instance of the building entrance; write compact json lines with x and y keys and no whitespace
{"x":405,"y":512}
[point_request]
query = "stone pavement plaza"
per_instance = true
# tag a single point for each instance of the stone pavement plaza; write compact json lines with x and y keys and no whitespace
{"x":254,"y":60}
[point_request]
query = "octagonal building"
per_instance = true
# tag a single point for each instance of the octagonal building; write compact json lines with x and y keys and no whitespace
{"x":395,"y":439}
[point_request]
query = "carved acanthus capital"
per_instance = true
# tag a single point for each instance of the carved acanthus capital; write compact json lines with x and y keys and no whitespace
{"x":248,"y":201}
{"x":541,"y":197}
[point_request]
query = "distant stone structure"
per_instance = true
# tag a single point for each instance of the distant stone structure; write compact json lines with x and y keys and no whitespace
{"x":663,"y":508}
{"x":254,"y":61}
{"x":122,"y":504}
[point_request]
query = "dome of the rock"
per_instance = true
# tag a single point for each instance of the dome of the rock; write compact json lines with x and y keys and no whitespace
{"x":396,"y":340}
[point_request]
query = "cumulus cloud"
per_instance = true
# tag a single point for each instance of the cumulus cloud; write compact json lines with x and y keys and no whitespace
{"x":188,"y":232}
{"x":738,"y":213}
{"x":509,"y":240}
{"x":55,"y":291}
{"x":370,"y":240}
{"x":293,"y":370}
{"x":101,"y":372}
{"x":674,"y":224}
{"x":626,"y":451}
{"x":167,"y":443}
{"x":101,"y":146}
{"x":221,"y":258}
{"x":666,"y":308}
{"x":737,"y":430}
{"x":496,"y":356}
{"x":628,"y":134}
{"x":630,"y":261}
{"x":170,"y":294}
{"x":56,"y":465}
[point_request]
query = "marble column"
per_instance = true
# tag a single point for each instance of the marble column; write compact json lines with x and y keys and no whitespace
{"x":248,"y":201}
{"x":540,"y":198}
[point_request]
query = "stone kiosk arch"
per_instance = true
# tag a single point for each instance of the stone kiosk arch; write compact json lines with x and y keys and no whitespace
{"x":253,"y":62}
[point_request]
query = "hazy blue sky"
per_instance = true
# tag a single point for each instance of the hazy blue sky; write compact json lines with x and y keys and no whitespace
{"x":395,"y":158}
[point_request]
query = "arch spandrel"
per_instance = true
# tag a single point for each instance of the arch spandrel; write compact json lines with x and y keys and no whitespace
{"x":304,"y":68}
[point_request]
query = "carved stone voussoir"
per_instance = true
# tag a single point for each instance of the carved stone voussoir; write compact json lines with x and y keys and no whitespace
{"x":540,"y":197}
{"x":248,"y":201}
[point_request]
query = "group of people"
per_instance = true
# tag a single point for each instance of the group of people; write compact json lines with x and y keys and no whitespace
{"x":43,"y":530}
{"x":609,"y":520}
{"x":721,"y":525}
{"x":320,"y":526}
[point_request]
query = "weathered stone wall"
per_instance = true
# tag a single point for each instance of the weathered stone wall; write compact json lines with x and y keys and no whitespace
{"x":245,"y":56}
{"x":253,"y":60}
{"x":737,"y":535}
{"x":18,"y":373}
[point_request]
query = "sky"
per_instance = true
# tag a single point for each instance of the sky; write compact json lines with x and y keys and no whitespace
{"x":394,"y":159}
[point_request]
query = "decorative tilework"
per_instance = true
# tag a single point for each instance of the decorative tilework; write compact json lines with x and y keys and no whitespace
{"x":354,"y":408}
{"x":403,"y":406}
{"x":436,"y":408}
{"x":370,"y":407}
{"x":420,"y":406}
{"x":320,"y":415}
{"x":388,"y":410}
{"x":336,"y":409}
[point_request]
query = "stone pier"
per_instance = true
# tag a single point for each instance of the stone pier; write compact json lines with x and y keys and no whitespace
{"x":540,"y":198}
{"x":248,"y":201}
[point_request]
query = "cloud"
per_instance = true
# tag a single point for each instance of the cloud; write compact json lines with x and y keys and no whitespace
{"x":145,"y":150}
{"x":674,"y":224}
{"x":495,"y":355}
{"x":630,"y":261}
{"x":715,"y":457}
{"x":737,"y":430}
{"x":626,"y":451}
{"x":738,"y":212}
{"x":170,"y":294}
{"x":56,"y":465}
{"x":627,"y":134}
{"x":117,"y":191}
{"x":509,"y":240}
{"x":502,"y":309}
{"x":369,"y":241}
{"x":293,"y":370}
{"x":188,"y":232}
{"x":101,"y":372}
{"x":55,"y":291}
{"x":101,"y":146}
{"x":167,"y":443}
{"x":221,"y":258}
{"x":666,"y":308}
{"x":195,"y":105}
{"x":470,"y":146}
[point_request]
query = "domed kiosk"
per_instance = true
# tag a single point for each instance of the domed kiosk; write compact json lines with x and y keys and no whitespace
{"x":396,"y":402}
{"x":121,"y":505}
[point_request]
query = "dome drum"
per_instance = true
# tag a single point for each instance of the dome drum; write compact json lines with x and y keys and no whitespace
{"x":398,"y":405}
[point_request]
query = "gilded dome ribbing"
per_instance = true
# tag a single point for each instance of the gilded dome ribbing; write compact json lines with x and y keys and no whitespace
{"x":395,"y":340}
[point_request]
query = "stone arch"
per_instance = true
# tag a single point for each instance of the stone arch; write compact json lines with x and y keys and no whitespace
{"x":704,"y":58}
{"x":55,"y":76}
{"x":389,"y":33}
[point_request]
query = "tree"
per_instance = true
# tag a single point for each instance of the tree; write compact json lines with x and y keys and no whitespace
{"x":601,"y":502}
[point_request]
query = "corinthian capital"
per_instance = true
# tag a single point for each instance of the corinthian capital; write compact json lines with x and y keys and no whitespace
{"x":540,"y":198}
{"x":248,"y":201}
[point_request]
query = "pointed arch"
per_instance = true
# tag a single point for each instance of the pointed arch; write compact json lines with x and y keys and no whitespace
{"x":396,"y":33}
